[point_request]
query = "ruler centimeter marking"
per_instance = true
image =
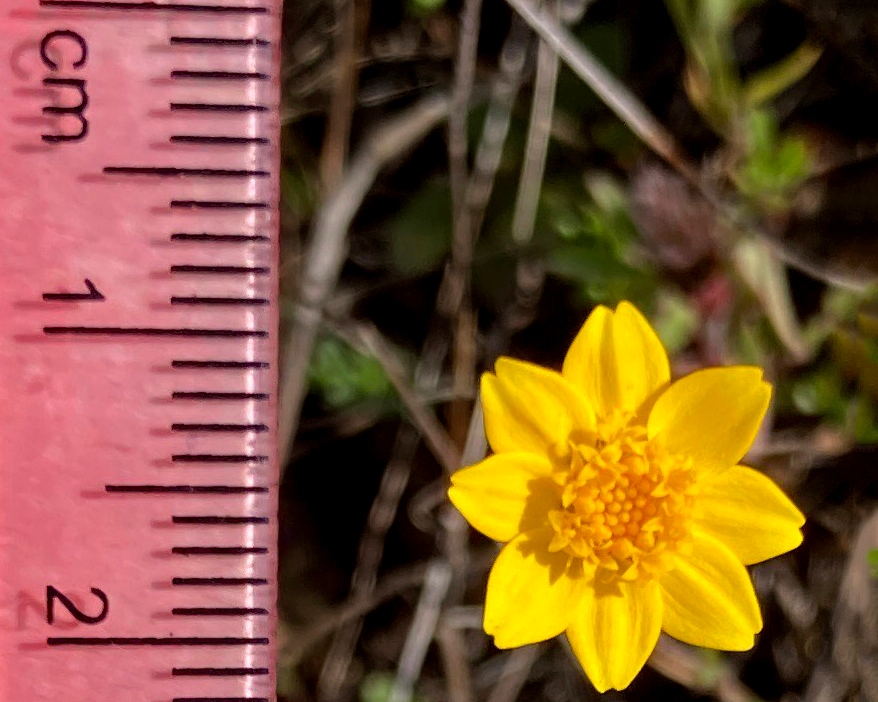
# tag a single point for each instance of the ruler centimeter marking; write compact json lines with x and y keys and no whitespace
{"x":173,"y":171}
{"x":220,"y":671}
{"x":152,"y":6}
{"x":219,"y":41}
{"x":155,"y":641}
{"x":139,"y":463}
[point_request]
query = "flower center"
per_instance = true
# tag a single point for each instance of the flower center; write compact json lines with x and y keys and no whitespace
{"x":625,"y":502}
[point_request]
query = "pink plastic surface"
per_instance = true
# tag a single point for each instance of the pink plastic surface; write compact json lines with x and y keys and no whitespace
{"x":90,"y":394}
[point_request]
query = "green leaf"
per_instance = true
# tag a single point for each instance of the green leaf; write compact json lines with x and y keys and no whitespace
{"x":586,"y":263}
{"x":606,"y":192}
{"x":711,"y":80}
{"x":422,"y":8}
{"x":761,"y":133}
{"x":752,"y":344}
{"x":717,"y":15}
{"x":765,"y":274}
{"x":616,"y":138}
{"x":711,"y":669}
{"x":675,"y":321}
{"x":420,"y":235}
{"x":792,"y":161}
{"x":770,"y":82}
{"x":774,"y":164}
{"x":298,"y":191}
{"x":288,"y":682}
{"x":865,"y":426}
{"x":342,"y":376}
{"x":377,"y":687}
{"x":593,"y":244}
{"x":819,"y":393}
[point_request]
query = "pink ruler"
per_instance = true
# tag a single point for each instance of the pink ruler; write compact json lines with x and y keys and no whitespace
{"x":138,"y":251}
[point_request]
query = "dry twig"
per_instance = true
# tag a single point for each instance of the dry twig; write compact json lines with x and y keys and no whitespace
{"x":370,"y":340}
{"x":495,"y":130}
{"x":353,"y":18}
{"x":421,"y":631}
{"x":327,"y":250}
{"x":454,"y":294}
{"x":539,"y":129}
{"x":350,"y":609}
{"x":529,"y":274}
{"x":684,"y":665}
{"x":614,"y":94}
{"x":464,"y":77}
{"x":447,"y":588}
{"x":381,"y":515}
{"x":370,"y":552}
{"x":452,"y":648}
{"x":515,"y":673}
{"x":854,"y":650}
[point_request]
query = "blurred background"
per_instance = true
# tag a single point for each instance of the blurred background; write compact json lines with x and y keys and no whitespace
{"x":453,"y":190}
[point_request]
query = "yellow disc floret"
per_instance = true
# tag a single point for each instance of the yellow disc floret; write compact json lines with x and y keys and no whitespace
{"x":625,"y":501}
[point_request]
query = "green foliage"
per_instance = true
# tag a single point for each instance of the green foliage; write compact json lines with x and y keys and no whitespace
{"x":421,"y":8}
{"x":298,"y":190}
{"x":377,"y":687}
{"x":288,"y":682}
{"x":595,"y":244}
{"x":342,"y":376}
{"x":864,"y":419}
{"x":711,"y":669}
{"x":872,"y":560}
{"x":712,"y":82}
{"x":856,"y":355}
{"x":752,"y":341}
{"x":765,"y":275}
{"x":842,"y":389}
{"x":616,"y":138}
{"x":819,"y":393}
{"x":773,"y":164}
{"x":675,"y":320}
{"x":299,"y":182}
{"x":420,"y":234}
{"x":607,"y":41}
{"x":603,"y":278}
{"x":766,"y":84}
{"x":764,"y":164}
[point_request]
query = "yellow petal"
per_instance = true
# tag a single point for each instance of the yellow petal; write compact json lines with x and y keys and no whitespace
{"x":617,"y":360}
{"x":708,"y":598}
{"x":613,"y":634}
{"x":590,"y":363}
{"x":531,"y":593}
{"x":749,"y":513}
{"x":506,"y":494}
{"x":529,"y":408}
{"x":711,"y":415}
{"x":642,"y":361}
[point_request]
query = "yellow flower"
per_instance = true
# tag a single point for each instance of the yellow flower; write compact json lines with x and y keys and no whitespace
{"x":621,"y":499}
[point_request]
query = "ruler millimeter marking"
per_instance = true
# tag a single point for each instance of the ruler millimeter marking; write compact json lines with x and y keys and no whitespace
{"x":138,"y":461}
